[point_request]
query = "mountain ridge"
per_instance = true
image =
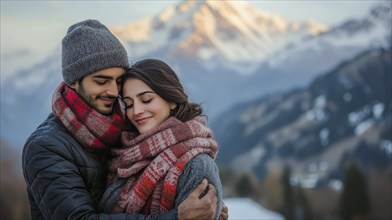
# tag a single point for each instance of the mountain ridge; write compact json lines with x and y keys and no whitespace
{"x":342,"y":114}
{"x":216,"y":30}
{"x":26,"y":96}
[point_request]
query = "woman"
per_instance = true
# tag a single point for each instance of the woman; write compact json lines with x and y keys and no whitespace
{"x":168,"y":149}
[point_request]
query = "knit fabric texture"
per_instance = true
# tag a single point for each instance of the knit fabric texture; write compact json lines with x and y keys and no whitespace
{"x":95,"y":131}
{"x":152,"y":163}
{"x":89,"y":46}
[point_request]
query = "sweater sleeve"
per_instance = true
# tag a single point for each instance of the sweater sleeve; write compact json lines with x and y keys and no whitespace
{"x":57,"y":188}
{"x":199,"y":168}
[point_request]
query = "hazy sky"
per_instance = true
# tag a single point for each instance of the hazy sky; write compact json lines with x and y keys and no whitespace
{"x":39,"y":26}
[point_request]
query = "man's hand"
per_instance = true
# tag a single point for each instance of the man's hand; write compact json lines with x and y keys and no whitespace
{"x":197,"y":208}
{"x":224,"y":214}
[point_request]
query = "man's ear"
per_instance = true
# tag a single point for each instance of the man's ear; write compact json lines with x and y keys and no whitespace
{"x":74,"y":85}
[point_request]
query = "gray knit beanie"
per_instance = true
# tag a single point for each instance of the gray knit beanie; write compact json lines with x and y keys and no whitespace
{"x":89,"y":46}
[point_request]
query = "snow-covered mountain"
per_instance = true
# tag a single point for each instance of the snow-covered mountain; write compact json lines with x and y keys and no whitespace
{"x":343,"y":114}
{"x":223,"y":52}
{"x":299,"y":63}
{"x":229,"y":51}
{"x":10,"y":62}
{"x":217,"y":35}
{"x":26,"y":98}
{"x":342,"y":42}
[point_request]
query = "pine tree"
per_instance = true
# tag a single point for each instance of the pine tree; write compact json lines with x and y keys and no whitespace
{"x":288,"y":194}
{"x":245,"y":187}
{"x":354,"y":200}
{"x":304,"y":210}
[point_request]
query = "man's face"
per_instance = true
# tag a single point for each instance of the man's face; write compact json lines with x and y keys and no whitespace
{"x":100,"y":89}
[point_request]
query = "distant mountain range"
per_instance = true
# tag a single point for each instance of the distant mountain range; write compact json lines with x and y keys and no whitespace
{"x":225,"y":52}
{"x":216,"y":35}
{"x":215,"y":46}
{"x":343,"y":114}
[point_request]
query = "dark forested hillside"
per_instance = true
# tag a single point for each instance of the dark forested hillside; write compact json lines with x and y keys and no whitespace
{"x":342,"y":114}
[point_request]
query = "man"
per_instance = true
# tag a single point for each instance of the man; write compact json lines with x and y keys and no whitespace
{"x":64,"y":159}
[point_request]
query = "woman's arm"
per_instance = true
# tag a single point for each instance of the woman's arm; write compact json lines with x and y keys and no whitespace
{"x":199,"y":168}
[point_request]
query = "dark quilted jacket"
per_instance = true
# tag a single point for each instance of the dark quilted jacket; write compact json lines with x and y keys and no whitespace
{"x":63,"y":180}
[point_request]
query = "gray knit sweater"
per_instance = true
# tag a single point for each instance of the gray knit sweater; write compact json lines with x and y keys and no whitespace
{"x":199,"y":168}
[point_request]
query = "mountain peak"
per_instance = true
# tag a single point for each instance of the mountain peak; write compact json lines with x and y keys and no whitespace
{"x":223,"y":31}
{"x":218,"y":5}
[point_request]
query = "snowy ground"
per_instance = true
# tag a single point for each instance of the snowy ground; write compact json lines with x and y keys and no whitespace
{"x":247,"y":209}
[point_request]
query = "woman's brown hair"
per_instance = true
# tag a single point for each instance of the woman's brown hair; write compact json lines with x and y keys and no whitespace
{"x":165,"y":82}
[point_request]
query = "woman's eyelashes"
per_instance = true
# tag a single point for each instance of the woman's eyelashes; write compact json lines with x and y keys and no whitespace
{"x":145,"y":101}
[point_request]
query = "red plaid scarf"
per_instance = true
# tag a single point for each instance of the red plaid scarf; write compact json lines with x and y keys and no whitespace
{"x":161,"y":156}
{"x":95,"y":131}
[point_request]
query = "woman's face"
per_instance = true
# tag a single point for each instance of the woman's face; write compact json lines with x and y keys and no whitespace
{"x":144,"y":108}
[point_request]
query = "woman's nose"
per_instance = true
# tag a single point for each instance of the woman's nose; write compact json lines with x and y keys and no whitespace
{"x":137,"y":109}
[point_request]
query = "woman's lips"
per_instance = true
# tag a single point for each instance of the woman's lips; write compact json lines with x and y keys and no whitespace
{"x":142,"y":121}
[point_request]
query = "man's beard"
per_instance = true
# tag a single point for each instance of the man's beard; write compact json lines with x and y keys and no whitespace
{"x":89,"y":100}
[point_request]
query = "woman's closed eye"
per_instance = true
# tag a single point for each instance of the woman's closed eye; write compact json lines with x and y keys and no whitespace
{"x":147,"y":100}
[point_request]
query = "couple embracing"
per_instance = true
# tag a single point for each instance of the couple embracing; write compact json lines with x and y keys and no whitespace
{"x":121,"y":142}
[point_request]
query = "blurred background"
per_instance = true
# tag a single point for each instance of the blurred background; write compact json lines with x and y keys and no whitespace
{"x":298,"y":94}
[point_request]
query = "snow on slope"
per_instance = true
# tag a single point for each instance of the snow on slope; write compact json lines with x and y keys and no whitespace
{"x":339,"y":43}
{"x":245,"y":208}
{"x":225,"y":32}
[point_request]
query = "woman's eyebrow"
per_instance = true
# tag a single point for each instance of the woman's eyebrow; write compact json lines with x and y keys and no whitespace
{"x":138,"y":95}
{"x":143,"y":93}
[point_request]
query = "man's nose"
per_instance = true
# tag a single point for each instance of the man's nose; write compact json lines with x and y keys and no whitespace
{"x":112,"y":89}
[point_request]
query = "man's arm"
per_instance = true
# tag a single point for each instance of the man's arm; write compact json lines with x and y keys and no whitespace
{"x":194,"y":207}
{"x":224,"y":214}
{"x":58,"y":189}
{"x":200,"y":169}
